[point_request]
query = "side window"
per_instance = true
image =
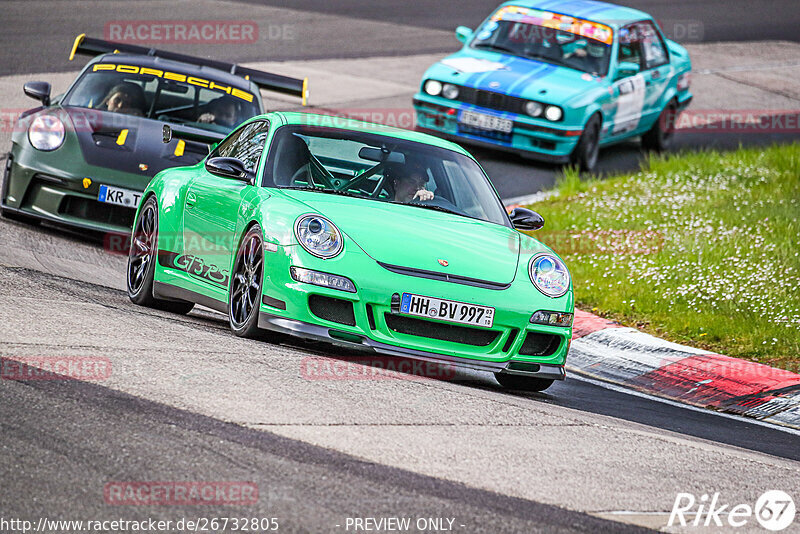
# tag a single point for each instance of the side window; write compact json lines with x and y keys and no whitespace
{"x":245,"y":144}
{"x":630,"y":47}
{"x":655,"y":53}
{"x":640,"y":43}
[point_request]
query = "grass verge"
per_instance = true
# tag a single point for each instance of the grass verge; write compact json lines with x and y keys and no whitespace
{"x":701,"y":248}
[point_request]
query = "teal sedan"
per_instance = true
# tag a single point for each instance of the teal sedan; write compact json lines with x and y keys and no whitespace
{"x":558,"y":80}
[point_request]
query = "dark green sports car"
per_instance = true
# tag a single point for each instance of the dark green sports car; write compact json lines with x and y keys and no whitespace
{"x":84,"y":158}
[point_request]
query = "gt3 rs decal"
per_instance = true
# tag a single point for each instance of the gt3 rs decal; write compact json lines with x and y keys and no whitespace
{"x":629,"y":104}
{"x":193,"y":265}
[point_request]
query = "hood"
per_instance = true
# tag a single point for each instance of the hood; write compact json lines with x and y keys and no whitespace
{"x":515,"y":76}
{"x":417,"y":238}
{"x":141,"y":152}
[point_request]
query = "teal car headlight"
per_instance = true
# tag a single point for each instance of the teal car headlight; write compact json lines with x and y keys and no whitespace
{"x":46,"y":133}
{"x":450,"y":91}
{"x":553,"y":113}
{"x":318,"y":236}
{"x":549,"y":275}
{"x":534,"y":109}
{"x":433,"y":87}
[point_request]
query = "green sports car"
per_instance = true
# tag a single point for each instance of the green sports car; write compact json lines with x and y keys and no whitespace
{"x":357,"y":234}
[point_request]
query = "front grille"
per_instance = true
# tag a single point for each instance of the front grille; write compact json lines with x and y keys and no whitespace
{"x":511,"y":337}
{"x":440,"y":331}
{"x":332,"y":309}
{"x":540,"y":344}
{"x":100,"y":212}
{"x":491,"y":100}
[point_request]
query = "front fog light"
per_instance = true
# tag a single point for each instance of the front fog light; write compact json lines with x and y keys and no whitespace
{"x":552,"y":318}
{"x":317,"y":278}
{"x":433,"y":88}
{"x":553,"y":113}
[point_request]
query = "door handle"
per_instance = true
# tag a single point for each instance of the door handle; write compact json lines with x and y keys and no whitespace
{"x":191,"y":198}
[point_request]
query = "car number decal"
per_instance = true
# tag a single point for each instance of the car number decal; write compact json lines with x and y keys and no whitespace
{"x":630,"y":103}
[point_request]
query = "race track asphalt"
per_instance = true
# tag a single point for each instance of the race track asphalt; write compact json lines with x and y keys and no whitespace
{"x":188,"y":401}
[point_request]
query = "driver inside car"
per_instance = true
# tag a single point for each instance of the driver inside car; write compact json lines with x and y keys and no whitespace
{"x":408,"y":183}
{"x":125,"y":97}
{"x":221,"y":111}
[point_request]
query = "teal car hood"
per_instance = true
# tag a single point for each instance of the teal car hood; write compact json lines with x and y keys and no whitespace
{"x":512,"y":75}
{"x":417,"y":238}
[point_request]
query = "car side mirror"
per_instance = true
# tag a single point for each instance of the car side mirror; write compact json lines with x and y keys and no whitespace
{"x":626,"y":69}
{"x":525,"y":219}
{"x":229,"y":168}
{"x":38,"y":91}
{"x":463,"y":34}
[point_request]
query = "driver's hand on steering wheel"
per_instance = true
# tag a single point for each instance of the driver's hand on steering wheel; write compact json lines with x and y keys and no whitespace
{"x":422,"y":195}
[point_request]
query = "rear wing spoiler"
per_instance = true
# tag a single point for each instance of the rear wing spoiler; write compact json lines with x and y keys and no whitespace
{"x":89,"y":46}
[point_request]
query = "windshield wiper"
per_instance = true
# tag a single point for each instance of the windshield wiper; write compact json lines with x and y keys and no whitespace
{"x":429,"y":207}
{"x":496,"y":47}
{"x":321,"y":190}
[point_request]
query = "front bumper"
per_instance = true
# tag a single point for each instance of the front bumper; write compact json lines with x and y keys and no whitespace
{"x":369,"y":319}
{"x":316,"y":332}
{"x":38,"y":190}
{"x":531,"y":137}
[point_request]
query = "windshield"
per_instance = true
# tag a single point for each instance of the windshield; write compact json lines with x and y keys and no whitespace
{"x":542,"y":35}
{"x":162,"y":95}
{"x":382,"y":169}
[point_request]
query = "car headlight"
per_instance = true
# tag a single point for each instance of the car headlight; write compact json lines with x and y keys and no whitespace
{"x":534,"y":109}
{"x":450,"y":91}
{"x":433,"y":88}
{"x":318,"y":236}
{"x":553,"y":113}
{"x":46,"y":132}
{"x":549,"y":275}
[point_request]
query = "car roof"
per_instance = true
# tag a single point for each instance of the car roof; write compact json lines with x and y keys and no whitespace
{"x":183,"y":68}
{"x":611,"y":14}
{"x":331,"y":121}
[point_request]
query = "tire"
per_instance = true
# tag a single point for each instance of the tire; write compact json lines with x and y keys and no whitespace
{"x":587,"y":150}
{"x":247,"y":281}
{"x":142,"y":257}
{"x":523,"y":383}
{"x":659,"y":137}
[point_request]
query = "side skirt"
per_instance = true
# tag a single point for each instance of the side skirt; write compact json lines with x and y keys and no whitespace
{"x":168,"y":292}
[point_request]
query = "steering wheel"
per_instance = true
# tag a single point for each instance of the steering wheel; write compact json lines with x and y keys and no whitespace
{"x":296,"y":176}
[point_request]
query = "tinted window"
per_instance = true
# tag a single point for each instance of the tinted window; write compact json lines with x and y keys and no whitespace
{"x":381,"y":168}
{"x":641,"y":43}
{"x":245,"y":144}
{"x":162,"y":95}
{"x":545,"y":36}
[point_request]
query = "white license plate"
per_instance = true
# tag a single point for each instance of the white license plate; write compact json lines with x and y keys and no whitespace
{"x":486,"y":122}
{"x":119,"y":196}
{"x":447,"y":310}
